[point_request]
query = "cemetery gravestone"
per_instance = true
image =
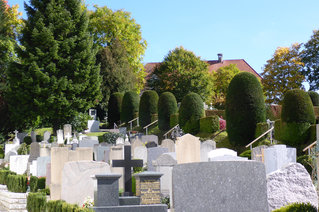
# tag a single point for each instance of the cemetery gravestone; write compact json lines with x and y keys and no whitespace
{"x":45,"y":149}
{"x":21,"y":136}
{"x":164,"y":164}
{"x":67,"y":129}
{"x":187,"y":149}
{"x":48,"y":175}
{"x":220,"y":186}
{"x":289,"y":185}
{"x":278,"y":156}
{"x":148,"y":187}
{"x":135,"y":143}
{"x":140,"y":152}
{"x":88,"y":143}
{"x":169,"y":144}
{"x":46,"y":136}
{"x":117,"y":152}
{"x":222,"y":152}
{"x":33,"y":168}
{"x":60,"y":136}
{"x":16,"y":140}
{"x":33,"y":136}
{"x":77,"y":183}
{"x":152,"y":155}
{"x":42,"y":166}
{"x":205,"y":148}
{"x":127,"y":163}
{"x":34,"y":151}
{"x":257,"y":153}
{"x":19,"y":163}
{"x":149,"y":138}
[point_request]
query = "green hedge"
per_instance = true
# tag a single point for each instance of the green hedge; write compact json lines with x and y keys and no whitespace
{"x":167,"y":106}
{"x":4,"y":176}
{"x":148,"y":107}
{"x":209,"y":124}
{"x":62,"y":206}
{"x":220,"y":113}
{"x":190,"y":111}
{"x":260,"y":129}
{"x":297,"y":107}
{"x":17,"y":183}
{"x":114,"y":108}
{"x":294,"y":134}
{"x":245,"y":107}
{"x":297,"y":207}
{"x":314,"y":96}
{"x":246,"y":154}
{"x":130,"y":106}
{"x":36,"y":202}
{"x":37,"y":183}
{"x":173,"y":120}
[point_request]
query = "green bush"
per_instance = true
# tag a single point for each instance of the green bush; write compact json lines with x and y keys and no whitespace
{"x":17,"y":183}
{"x":297,"y":107}
{"x":261,"y":128}
{"x":46,"y":191}
{"x":314,"y":96}
{"x":114,"y":108}
{"x":130,"y":106}
{"x":167,"y":106}
{"x":277,"y":128}
{"x":173,"y":120}
{"x":220,"y":113}
{"x":190,"y":111}
{"x":111,"y":137}
{"x":79,"y":122}
{"x":37,"y":183}
{"x":62,"y":206}
{"x":27,"y":140}
{"x":36,"y":202}
{"x":294,"y":134}
{"x":209,"y":124}
{"x":246,"y":154}
{"x":245,"y":107}
{"x":4,"y":176}
{"x":306,"y":161}
{"x":1,"y":152}
{"x":297,"y":207}
{"x":24,"y":149}
{"x":148,"y":107}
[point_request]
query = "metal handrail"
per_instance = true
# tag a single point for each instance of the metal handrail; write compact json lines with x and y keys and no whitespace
{"x":309,"y":147}
{"x":132,"y":120}
{"x":251,"y":143}
{"x":149,"y":125}
{"x":122,"y":124}
{"x":165,"y":135}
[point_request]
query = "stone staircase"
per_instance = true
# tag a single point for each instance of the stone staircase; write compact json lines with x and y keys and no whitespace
{"x":13,"y":202}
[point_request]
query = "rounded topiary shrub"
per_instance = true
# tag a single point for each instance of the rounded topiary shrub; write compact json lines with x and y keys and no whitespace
{"x":190,"y":111}
{"x":167,"y":106}
{"x":296,"y":118}
{"x":245,"y":107}
{"x":173,"y":120}
{"x":148,"y":107}
{"x":130,"y":106}
{"x":314,"y":98}
{"x":209,"y":124}
{"x":297,"y":107}
{"x":114,"y":108}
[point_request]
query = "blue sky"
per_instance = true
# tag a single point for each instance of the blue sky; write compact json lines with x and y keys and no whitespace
{"x":246,"y":29}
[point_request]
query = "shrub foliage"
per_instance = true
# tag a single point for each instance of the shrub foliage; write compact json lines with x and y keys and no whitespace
{"x":167,"y":106}
{"x":148,"y":107}
{"x":130,"y":106}
{"x":36,"y":202}
{"x":190,"y":111}
{"x":209,"y":124}
{"x":114,"y":108}
{"x":245,"y":107}
{"x":314,"y":98}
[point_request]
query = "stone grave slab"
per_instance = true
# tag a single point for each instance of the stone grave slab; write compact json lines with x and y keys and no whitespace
{"x":34,"y":151}
{"x":152,"y":155}
{"x":135,"y":143}
{"x":187,"y":149}
{"x":93,"y":126}
{"x":257,"y":153}
{"x":220,"y":186}
{"x":33,"y":136}
{"x":290,"y":184}
{"x":205,"y":148}
{"x":46,"y":136}
{"x":169,"y":144}
{"x":21,"y":136}
{"x":19,"y":163}
{"x":149,"y":138}
{"x":220,"y":152}
{"x":42,"y":165}
{"x":34,"y":168}
{"x":140,"y":152}
{"x":77,"y":183}
{"x":278,"y":156}
{"x":60,"y":137}
{"x":88,"y":143}
{"x":117,"y":153}
{"x":67,"y":132}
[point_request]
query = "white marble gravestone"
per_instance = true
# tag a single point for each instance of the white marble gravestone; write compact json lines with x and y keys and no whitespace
{"x":46,"y":136}
{"x":60,"y":136}
{"x":187,"y":149}
{"x":169,"y":144}
{"x":19,"y":163}
{"x":205,"y":148}
{"x":67,"y":130}
{"x":140,"y":152}
{"x":278,"y":156}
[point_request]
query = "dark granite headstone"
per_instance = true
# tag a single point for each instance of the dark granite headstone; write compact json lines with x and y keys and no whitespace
{"x":220,"y":186}
{"x":127,"y":163}
{"x":151,"y":144}
{"x":107,"y":190}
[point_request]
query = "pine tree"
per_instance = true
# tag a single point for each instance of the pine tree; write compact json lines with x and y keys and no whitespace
{"x":57,"y":77}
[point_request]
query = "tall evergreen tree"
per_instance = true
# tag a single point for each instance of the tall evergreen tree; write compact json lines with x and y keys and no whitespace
{"x":57,"y":77}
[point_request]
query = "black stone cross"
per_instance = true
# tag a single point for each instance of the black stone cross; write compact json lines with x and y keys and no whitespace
{"x":127,"y":163}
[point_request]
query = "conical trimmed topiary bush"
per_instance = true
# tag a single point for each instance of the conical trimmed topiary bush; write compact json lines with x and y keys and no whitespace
{"x":167,"y":106}
{"x":148,"y":107}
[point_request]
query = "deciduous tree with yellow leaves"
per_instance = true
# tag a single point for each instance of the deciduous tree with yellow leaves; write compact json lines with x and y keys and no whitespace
{"x":282,"y":73}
